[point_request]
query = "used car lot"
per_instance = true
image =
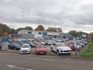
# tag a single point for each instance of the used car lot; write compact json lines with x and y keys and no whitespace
{"x":68,"y":47}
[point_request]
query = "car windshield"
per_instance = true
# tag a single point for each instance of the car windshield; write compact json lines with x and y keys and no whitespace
{"x":60,"y":44}
{"x":40,"y":46}
{"x":16,"y":44}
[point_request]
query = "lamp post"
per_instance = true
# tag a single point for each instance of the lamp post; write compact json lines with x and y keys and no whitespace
{"x":75,"y":44}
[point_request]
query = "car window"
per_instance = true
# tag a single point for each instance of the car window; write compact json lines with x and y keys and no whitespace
{"x":25,"y":46}
{"x":60,"y":44}
{"x":40,"y":46}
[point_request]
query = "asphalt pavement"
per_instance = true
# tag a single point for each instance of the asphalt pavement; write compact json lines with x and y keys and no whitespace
{"x":42,"y":62}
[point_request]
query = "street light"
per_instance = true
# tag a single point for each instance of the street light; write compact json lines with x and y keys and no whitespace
{"x":75,"y":44}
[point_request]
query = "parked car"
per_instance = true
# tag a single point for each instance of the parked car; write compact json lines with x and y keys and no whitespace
{"x":0,"y":45}
{"x":40,"y":50}
{"x":14,"y":46}
{"x":72,"y":46}
{"x":50,"y":42}
{"x":33,"y":45}
{"x":81,"y":43}
{"x":60,"y":49}
{"x":25,"y":49}
{"x":85,"y":42}
{"x":37,"y":43}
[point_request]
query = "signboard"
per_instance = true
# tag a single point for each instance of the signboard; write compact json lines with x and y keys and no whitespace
{"x":4,"y":44}
{"x":84,"y":35}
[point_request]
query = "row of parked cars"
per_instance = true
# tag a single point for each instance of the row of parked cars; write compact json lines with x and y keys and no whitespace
{"x":25,"y":46}
{"x":56,"y":45}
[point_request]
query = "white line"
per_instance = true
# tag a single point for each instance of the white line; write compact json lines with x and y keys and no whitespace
{"x":41,"y":59}
{"x":13,"y":66}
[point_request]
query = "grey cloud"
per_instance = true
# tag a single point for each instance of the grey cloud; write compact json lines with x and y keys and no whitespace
{"x":67,"y":13}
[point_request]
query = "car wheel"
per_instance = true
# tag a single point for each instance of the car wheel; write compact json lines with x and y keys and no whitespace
{"x":69,"y":53}
{"x":58,"y":52}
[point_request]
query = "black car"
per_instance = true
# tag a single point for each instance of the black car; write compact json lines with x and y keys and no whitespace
{"x":14,"y":46}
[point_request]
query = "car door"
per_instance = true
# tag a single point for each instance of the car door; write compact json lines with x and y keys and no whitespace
{"x":55,"y":48}
{"x":11,"y":45}
{"x":52,"y":47}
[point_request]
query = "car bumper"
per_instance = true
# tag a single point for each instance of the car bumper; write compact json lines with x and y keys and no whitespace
{"x":40,"y":52}
{"x":65,"y":52}
{"x":25,"y":51}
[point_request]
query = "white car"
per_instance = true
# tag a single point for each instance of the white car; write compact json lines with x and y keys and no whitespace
{"x":61,"y":49}
{"x":26,"y":48}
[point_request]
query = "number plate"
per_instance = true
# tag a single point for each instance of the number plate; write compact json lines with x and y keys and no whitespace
{"x":41,"y":52}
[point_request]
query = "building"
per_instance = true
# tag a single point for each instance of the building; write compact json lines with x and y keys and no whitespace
{"x":44,"y":34}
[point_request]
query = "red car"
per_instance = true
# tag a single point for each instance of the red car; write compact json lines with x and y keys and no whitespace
{"x":71,"y":45}
{"x":37,"y":43}
{"x":72,"y":48}
{"x":40,"y":50}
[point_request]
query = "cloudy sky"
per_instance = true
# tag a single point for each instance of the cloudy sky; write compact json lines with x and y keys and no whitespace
{"x":66,"y":14}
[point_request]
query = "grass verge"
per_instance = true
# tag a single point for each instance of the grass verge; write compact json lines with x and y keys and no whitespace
{"x":88,"y":53}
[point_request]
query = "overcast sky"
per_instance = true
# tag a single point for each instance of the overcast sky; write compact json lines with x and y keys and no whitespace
{"x":66,"y":14}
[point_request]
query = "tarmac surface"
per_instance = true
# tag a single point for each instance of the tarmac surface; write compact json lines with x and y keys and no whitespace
{"x":42,"y":62}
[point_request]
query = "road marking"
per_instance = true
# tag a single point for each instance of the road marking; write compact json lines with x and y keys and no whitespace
{"x":16,"y":67}
{"x":41,"y":59}
{"x":11,"y":66}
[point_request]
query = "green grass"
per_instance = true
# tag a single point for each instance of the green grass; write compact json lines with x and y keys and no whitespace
{"x":88,"y":52}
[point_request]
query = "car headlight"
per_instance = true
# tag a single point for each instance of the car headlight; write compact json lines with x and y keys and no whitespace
{"x":60,"y":49}
{"x":28,"y":49}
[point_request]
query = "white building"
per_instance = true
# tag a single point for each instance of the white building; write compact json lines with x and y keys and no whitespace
{"x":40,"y":33}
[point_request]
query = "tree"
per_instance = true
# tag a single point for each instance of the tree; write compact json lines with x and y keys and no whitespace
{"x":4,"y":28}
{"x":40,"y":28}
{"x":28,"y":28}
{"x":73,"y":33}
{"x":5,"y":34}
{"x":1,"y":32}
{"x":13,"y":31}
{"x":50,"y":29}
{"x":58,"y":29}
